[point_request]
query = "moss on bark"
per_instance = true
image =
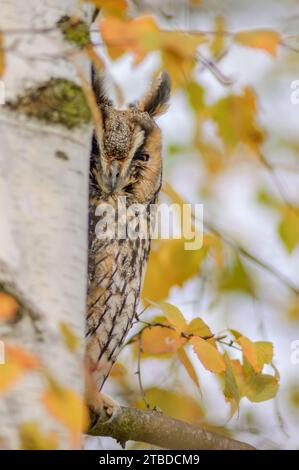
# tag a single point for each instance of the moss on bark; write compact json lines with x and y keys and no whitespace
{"x":58,"y":101}
{"x":74,"y":30}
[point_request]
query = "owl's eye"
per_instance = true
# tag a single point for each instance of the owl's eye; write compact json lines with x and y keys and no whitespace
{"x":141,"y":156}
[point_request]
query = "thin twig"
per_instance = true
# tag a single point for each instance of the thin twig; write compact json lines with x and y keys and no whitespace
{"x":253,"y":258}
{"x":138,"y":373}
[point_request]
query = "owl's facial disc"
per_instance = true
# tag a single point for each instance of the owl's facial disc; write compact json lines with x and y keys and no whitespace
{"x":122,"y":140}
{"x":130,"y":144}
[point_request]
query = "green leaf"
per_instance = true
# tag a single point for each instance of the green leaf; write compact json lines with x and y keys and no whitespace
{"x":266,"y":199}
{"x":236,"y":278}
{"x":261,"y":387}
{"x":196,"y":96}
{"x":231,"y":389}
{"x":288,"y":228}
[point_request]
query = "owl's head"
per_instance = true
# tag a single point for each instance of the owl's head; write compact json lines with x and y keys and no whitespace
{"x":127,"y":159}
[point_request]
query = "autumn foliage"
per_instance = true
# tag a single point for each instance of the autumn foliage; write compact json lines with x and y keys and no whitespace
{"x":243,"y":367}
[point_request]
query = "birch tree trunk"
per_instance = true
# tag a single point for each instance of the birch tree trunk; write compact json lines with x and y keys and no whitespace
{"x":43,"y":227}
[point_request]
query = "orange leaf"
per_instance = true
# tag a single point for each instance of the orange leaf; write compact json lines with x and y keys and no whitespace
{"x":23,"y":358}
{"x":159,"y":340}
{"x":136,"y":36}
{"x":111,"y":7}
{"x":8,"y":306}
{"x":259,"y":39}
{"x":2,"y":62}
{"x":92,"y":103}
{"x":9,"y":373}
{"x":17,"y":361}
{"x":209,"y":356}
{"x":249,"y":351}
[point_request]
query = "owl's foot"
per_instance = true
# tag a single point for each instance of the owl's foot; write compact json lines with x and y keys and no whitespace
{"x":102,"y":403}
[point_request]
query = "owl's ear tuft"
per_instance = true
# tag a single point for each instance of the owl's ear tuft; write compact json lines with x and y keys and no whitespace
{"x":155,"y":102}
{"x":98,"y":86}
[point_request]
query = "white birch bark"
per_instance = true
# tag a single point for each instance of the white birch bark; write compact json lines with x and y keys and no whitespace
{"x":43,"y":216}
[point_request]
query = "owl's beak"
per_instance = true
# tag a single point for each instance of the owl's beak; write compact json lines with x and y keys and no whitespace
{"x":114,"y":174}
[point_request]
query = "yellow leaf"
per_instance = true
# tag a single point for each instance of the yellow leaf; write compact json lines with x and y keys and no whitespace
{"x":264,"y":39}
{"x":178,"y":52}
{"x":199,"y":328}
{"x":178,"y":405}
{"x":174,"y":316}
{"x":235,"y":117}
{"x":159,"y":340}
{"x":239,"y":375}
{"x":8,"y":306}
{"x":293,"y":308}
{"x":68,"y":408}
{"x":9,"y":373}
{"x":235,"y":333}
{"x":212,"y":155}
{"x":70,"y":339}
{"x":209,"y":356}
{"x":169,"y":265}
{"x":218,"y":40}
{"x":196,"y":97}
{"x":257,"y":353}
{"x":264,"y":350}
{"x":183,"y":356}
{"x":32,"y":438}
{"x":120,"y":374}
{"x":2,"y":60}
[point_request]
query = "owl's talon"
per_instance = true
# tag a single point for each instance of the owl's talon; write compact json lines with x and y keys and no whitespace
{"x":104,"y":404}
{"x":110,"y":407}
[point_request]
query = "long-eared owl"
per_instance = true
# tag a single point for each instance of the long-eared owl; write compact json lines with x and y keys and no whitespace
{"x":126,"y":166}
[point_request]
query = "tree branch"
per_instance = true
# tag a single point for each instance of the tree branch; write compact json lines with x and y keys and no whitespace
{"x":155,"y":428}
